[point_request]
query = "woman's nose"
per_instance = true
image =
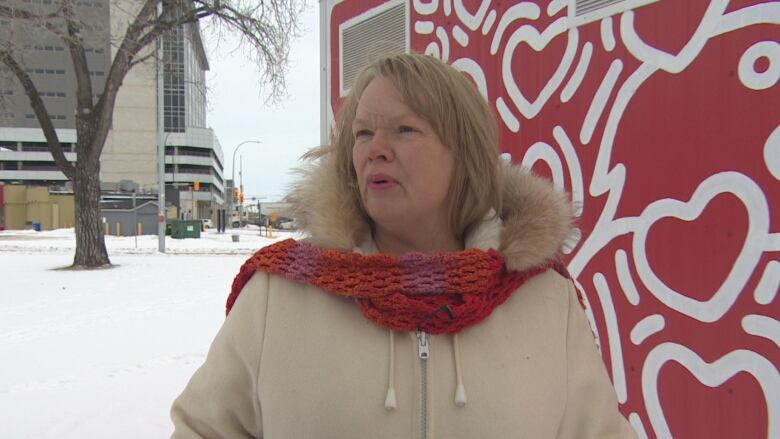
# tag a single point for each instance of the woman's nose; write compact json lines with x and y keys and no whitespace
{"x":380,"y":148}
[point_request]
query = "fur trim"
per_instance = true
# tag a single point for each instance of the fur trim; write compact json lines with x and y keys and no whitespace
{"x":536,"y":217}
{"x":320,"y":208}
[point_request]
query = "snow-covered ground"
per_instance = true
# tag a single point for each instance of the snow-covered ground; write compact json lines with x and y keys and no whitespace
{"x":102,"y":354}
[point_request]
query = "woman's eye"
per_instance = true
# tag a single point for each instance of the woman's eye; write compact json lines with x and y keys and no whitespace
{"x":406,"y":129}
{"x":362,"y":133}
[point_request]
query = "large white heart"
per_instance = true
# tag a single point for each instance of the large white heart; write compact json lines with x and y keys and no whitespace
{"x":712,"y":375}
{"x":537,"y":41}
{"x":672,"y":63}
{"x":758,"y":226}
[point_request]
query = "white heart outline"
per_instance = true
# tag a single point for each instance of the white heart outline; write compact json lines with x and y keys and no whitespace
{"x":425,"y":8}
{"x":712,"y":375}
{"x":472,"y":21}
{"x":678,"y":62}
{"x":538,"y":42}
{"x":757,"y":208}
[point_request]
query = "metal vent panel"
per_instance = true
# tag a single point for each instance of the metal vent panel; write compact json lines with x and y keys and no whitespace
{"x":585,"y":11}
{"x":378,"y":32}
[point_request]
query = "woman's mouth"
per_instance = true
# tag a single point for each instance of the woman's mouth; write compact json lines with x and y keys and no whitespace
{"x":381,"y":182}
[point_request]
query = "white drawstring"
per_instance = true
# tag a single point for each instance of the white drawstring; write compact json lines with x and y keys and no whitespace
{"x":460,"y":390}
{"x":390,"y":403}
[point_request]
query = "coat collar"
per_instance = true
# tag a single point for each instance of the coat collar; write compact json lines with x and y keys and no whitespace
{"x":531,"y":228}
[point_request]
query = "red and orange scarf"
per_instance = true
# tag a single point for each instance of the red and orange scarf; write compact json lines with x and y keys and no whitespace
{"x":439,"y":294}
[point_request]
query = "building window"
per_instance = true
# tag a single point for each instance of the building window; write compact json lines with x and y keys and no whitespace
{"x":173,"y":81}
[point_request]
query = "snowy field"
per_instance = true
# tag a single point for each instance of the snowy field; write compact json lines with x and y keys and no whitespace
{"x":103,"y":354}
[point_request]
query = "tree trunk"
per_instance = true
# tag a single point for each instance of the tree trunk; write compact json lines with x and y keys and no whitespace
{"x":90,"y":244}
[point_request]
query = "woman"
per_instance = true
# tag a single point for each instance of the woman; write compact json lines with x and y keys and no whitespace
{"x":426,"y":303}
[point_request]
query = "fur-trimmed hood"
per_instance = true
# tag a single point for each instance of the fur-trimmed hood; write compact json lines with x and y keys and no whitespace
{"x":534,"y":222}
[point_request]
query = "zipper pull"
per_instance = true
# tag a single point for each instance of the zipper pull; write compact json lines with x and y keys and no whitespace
{"x":423,"y":345}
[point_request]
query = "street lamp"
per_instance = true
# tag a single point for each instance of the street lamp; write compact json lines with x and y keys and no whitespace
{"x":233,"y":177}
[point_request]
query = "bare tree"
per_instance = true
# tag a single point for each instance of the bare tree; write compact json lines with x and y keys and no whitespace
{"x":265,"y":26}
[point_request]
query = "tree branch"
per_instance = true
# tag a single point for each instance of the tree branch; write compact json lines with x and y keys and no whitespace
{"x":142,"y":60}
{"x":80,"y":67}
{"x":44,"y":20}
{"x":128,"y":49}
{"x":67,"y":168}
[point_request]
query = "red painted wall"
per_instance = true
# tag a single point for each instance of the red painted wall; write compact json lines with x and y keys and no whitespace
{"x":664,"y":125}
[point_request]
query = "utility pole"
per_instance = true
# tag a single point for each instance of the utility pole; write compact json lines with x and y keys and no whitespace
{"x":233,"y":177}
{"x":241,"y":190}
{"x":160,"y":145}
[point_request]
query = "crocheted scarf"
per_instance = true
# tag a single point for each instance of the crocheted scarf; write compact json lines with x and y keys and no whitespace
{"x":438,"y":294}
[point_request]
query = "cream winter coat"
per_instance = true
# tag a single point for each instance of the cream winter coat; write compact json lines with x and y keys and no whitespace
{"x":292,"y":361}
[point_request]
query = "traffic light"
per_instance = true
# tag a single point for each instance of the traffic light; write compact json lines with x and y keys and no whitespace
{"x":240,"y":197}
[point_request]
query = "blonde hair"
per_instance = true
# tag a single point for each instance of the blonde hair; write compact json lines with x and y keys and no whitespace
{"x":461,"y":117}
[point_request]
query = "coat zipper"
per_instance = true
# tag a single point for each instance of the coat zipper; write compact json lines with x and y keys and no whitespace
{"x":424,"y":352}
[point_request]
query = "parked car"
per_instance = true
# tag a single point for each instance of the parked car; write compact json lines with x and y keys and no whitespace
{"x":207,"y":223}
{"x":286,"y":224}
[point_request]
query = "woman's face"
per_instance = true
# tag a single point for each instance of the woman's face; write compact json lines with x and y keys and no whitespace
{"x":404,"y":171}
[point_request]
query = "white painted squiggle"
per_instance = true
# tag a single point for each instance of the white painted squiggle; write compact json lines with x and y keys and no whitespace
{"x":489,"y":21}
{"x":537,"y":41}
{"x":615,"y":348}
{"x":444,"y":40}
{"x":579,"y":72}
{"x":603,"y":180}
{"x":555,"y":6}
{"x":519,"y":11}
{"x":474,"y":70}
{"x":575,"y":170}
{"x":678,"y":62}
{"x":607,"y":35}
{"x":768,"y":286}
{"x":639,"y":428}
{"x":424,"y":8}
{"x":762,"y":326}
{"x":647,"y":327}
{"x":423,"y":27}
{"x":712,"y":375}
{"x":772,"y":153}
{"x":772,"y":242}
{"x":624,"y":277}
{"x":762,"y":13}
{"x":447,"y":7}
{"x":546,"y":153}
{"x":460,"y":36}
{"x":752,"y":79}
{"x":607,"y":227}
{"x":755,"y":203}
{"x":471,"y":21}
{"x":572,"y":240}
{"x":432,"y":49}
{"x":509,"y":119}
{"x":600,"y":101}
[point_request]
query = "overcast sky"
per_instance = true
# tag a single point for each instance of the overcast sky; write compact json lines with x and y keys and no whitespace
{"x":237,"y":111}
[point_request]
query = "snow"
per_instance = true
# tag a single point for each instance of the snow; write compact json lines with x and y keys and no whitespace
{"x":103,"y":353}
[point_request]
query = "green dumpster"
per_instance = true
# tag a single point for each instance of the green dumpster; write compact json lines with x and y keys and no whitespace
{"x":181,"y":229}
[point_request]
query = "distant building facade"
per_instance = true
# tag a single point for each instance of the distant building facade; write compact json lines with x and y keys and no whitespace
{"x":193,"y":155}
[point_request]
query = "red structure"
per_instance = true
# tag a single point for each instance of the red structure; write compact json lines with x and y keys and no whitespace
{"x":662,"y":120}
